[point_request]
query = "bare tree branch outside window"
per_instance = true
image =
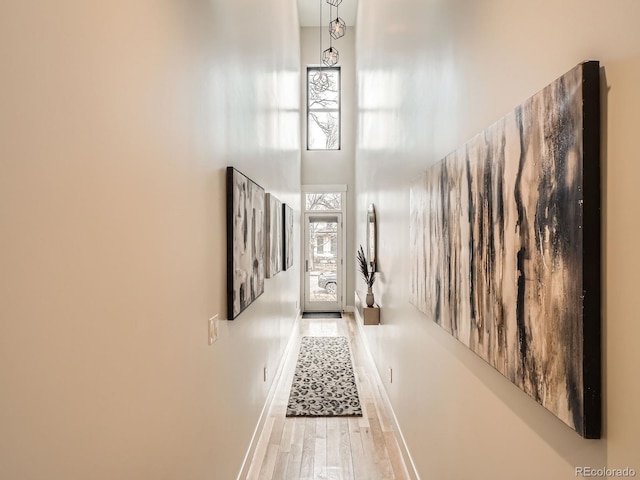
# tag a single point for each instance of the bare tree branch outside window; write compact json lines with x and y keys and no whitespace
{"x":323,"y":108}
{"x":323,"y":201}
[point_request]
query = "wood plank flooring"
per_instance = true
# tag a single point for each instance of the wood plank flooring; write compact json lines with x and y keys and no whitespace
{"x":329,"y":448}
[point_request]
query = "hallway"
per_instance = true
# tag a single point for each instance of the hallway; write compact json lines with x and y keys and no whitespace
{"x":337,"y":448}
{"x":118,"y":122}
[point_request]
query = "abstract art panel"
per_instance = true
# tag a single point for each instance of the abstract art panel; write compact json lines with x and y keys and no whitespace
{"x":274,"y":235}
{"x":246,"y":241}
{"x":287,"y":236}
{"x":505,"y":247}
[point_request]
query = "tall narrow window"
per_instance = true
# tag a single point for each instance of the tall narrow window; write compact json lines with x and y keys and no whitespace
{"x":323,"y":108}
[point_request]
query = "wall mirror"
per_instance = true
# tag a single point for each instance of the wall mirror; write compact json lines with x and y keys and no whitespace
{"x":372,"y":250}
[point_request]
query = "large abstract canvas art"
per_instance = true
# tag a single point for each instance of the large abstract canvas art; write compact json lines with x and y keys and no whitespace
{"x":246,"y":241}
{"x":505,"y":247}
{"x":287,"y":236}
{"x":274,"y":235}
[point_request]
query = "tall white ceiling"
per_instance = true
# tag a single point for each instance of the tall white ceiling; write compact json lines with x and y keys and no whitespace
{"x":309,"y":12}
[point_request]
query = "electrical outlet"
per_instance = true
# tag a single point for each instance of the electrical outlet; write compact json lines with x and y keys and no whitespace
{"x":390,"y":375}
{"x":213,"y":329}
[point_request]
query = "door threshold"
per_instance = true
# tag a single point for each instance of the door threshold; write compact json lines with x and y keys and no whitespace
{"x":321,"y":314}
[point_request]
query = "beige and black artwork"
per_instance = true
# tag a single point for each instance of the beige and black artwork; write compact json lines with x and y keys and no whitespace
{"x":274,"y":235}
{"x":287,"y":236}
{"x":505,"y":247}
{"x":246,"y":239}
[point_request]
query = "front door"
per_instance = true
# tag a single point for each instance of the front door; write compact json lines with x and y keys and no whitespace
{"x":323,"y":262}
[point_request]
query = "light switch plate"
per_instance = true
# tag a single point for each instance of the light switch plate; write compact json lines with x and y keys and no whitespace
{"x":213,"y":329}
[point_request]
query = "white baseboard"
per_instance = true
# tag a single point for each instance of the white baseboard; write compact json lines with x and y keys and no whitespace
{"x":246,"y":462}
{"x":404,"y":449}
{"x":349,"y":309}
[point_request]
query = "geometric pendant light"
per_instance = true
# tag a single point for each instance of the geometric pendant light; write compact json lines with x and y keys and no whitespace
{"x":337,"y":28}
{"x":330,"y":56}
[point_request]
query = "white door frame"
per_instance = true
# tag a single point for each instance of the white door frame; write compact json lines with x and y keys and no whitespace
{"x":341,"y":271}
{"x":323,"y":306}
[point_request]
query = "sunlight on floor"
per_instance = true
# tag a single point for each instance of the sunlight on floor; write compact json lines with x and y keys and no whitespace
{"x":324,"y":327}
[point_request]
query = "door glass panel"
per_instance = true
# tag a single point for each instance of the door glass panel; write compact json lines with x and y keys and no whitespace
{"x":322,"y":265}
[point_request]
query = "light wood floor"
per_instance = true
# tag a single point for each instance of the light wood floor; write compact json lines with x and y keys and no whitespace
{"x":332,"y":448}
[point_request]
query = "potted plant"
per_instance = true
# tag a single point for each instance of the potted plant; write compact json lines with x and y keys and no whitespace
{"x":368,"y":276}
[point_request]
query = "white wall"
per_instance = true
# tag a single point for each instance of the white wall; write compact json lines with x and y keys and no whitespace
{"x":431,"y":74}
{"x":117,"y":120}
{"x":336,"y":166}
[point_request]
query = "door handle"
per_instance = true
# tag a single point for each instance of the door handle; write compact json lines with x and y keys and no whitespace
{"x":306,"y":265}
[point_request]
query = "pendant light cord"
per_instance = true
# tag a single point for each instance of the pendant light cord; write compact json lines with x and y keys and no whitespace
{"x":330,"y":36}
{"x":320,"y":34}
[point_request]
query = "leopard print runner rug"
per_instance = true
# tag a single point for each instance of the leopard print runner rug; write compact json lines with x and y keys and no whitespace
{"x":324,"y":384}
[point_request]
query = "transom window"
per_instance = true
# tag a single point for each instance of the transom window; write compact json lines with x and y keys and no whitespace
{"x":323,"y":108}
{"x":331,"y":201}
